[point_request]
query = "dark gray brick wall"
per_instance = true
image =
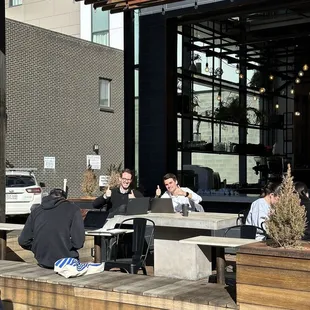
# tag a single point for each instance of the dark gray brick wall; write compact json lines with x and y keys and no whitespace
{"x":53,"y":103}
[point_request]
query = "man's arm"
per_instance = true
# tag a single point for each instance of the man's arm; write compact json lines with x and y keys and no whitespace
{"x":193,"y":196}
{"x":99,"y":202}
{"x":26,"y":237}
{"x":77,"y":231}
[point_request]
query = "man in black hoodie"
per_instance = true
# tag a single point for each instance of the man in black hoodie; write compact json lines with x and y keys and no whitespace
{"x":53,"y":230}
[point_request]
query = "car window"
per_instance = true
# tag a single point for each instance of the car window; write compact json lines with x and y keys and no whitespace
{"x":19,"y":181}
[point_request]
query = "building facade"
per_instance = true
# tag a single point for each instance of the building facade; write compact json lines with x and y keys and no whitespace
{"x":63,"y":96}
{"x":71,"y":18}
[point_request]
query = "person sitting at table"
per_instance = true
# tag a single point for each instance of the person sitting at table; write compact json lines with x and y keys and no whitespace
{"x":179,"y":195}
{"x":54,"y":230}
{"x":303,"y":192}
{"x":260,"y":208}
{"x":116,"y":199}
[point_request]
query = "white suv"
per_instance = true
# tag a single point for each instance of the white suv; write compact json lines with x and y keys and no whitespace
{"x":22,"y":193}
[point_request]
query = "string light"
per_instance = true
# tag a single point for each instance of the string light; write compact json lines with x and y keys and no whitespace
{"x":301,"y":73}
{"x":262,"y":90}
{"x":241,"y":76}
{"x":297,"y":80}
{"x":305,"y":67}
{"x":254,"y":98}
{"x":207,"y":67}
{"x":271,"y":77}
{"x":219,"y":97}
{"x":297,"y":113}
{"x":292,"y":90}
{"x":277,"y":106}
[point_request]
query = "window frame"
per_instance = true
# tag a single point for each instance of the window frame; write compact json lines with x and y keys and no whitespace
{"x":105,"y":30}
{"x":12,"y":5}
{"x":109,"y":107}
{"x":99,"y":32}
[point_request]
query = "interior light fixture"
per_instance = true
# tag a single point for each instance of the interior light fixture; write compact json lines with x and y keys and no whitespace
{"x":237,"y":69}
{"x":262,"y":90}
{"x":305,"y":67}
{"x":292,"y":91}
{"x":271,"y":77}
{"x":297,"y":113}
{"x":297,"y":80}
{"x":241,"y":76}
{"x":301,"y":73}
{"x":207,"y":67}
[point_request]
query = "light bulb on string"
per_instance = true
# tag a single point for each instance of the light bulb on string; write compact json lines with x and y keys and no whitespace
{"x":271,"y":77}
{"x":297,"y":80}
{"x":305,"y":67}
{"x":241,"y":76}
{"x":297,"y":113}
{"x":301,"y":73}
{"x":277,"y":106}
{"x":254,"y":98}
{"x":207,"y":67}
{"x":219,"y":97}
{"x":262,"y":90}
{"x":292,"y":91}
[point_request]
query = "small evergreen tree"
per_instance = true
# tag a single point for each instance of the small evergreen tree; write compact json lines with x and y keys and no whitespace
{"x":90,"y":182}
{"x":287,"y":219}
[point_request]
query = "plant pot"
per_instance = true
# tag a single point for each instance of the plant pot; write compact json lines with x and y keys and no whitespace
{"x":269,"y":278}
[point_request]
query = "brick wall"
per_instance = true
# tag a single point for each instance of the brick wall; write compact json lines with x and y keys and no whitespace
{"x":53,"y":103}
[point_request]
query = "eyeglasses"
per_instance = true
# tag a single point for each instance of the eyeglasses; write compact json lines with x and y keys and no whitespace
{"x":126,"y":180}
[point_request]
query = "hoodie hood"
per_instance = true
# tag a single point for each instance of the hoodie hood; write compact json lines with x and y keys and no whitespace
{"x":50,"y":202}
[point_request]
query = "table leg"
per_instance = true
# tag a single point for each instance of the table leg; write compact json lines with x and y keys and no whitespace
{"x":97,"y":241}
{"x":220,"y":265}
{"x":2,"y":244}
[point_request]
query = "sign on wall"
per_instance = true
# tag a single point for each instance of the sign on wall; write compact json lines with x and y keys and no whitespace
{"x":94,"y":161}
{"x":49,"y":162}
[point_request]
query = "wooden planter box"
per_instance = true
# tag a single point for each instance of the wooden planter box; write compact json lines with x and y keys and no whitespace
{"x":272,"y":278}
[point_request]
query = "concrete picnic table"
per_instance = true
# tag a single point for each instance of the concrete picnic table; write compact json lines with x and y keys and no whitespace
{"x":4,"y":229}
{"x":179,"y":260}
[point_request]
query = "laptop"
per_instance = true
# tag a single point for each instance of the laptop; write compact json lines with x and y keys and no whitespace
{"x":138,"y":206}
{"x":95,"y":219}
{"x":162,"y":205}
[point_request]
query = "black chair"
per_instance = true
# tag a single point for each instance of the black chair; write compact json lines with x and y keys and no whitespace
{"x":143,"y":233}
{"x":242,"y":215}
{"x":244,"y":231}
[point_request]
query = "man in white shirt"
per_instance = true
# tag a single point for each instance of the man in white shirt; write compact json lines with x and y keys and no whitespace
{"x":179,"y":195}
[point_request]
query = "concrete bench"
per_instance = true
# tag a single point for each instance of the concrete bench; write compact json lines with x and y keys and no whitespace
{"x":27,"y":286}
{"x":219,"y":243}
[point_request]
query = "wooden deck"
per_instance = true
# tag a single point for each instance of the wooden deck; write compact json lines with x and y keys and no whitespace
{"x":27,"y":286}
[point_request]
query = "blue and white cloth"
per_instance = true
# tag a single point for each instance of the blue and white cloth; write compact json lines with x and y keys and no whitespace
{"x":71,"y":267}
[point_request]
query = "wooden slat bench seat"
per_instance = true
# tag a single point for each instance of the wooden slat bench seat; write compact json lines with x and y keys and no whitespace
{"x":27,"y":286}
{"x":220,"y":243}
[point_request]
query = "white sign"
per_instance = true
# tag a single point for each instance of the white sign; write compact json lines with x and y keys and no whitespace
{"x":103,"y":180}
{"x":94,"y":161}
{"x":49,"y":162}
